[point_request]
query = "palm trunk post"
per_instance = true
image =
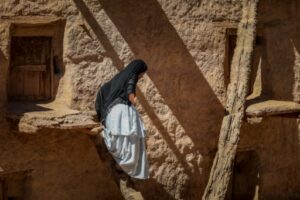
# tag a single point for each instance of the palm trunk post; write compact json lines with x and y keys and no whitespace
{"x":235,"y":106}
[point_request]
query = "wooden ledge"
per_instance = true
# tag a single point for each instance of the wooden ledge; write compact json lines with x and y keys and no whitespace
{"x":272,"y":107}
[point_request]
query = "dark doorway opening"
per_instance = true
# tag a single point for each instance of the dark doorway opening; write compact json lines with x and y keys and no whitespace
{"x":244,"y":182}
{"x":12,"y":185}
{"x":231,"y":36}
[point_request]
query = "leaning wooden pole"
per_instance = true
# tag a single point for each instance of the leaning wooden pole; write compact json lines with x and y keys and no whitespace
{"x":236,"y":96}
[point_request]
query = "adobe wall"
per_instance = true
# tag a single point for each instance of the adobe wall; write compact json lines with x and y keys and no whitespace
{"x":181,"y":98}
{"x":276,"y":139}
{"x":63,"y":164}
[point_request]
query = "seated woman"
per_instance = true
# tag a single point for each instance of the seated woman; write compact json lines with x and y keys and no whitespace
{"x":124,"y":133}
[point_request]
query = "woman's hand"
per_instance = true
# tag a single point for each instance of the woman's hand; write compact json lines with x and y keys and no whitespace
{"x":132,"y":98}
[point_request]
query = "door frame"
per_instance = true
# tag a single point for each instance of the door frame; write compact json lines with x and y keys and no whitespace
{"x":40,"y":27}
{"x":48,"y":82}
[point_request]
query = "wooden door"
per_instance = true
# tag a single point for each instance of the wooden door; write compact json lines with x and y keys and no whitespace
{"x":30,"y":69}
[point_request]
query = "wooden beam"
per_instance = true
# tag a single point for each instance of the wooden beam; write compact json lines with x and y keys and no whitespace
{"x":221,"y":170}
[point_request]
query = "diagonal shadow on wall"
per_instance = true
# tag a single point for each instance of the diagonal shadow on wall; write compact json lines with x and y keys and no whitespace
{"x":174,"y":72}
{"x":150,"y":35}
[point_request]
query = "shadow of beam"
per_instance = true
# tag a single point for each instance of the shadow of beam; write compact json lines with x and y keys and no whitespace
{"x":119,"y":64}
{"x":171,"y":68}
{"x":149,"y":34}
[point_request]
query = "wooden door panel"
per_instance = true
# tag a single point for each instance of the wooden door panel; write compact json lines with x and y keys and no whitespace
{"x":30,"y":84}
{"x":19,"y":84}
{"x":30,"y":69}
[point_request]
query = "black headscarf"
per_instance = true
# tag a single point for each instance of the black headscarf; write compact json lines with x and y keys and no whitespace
{"x":119,"y":87}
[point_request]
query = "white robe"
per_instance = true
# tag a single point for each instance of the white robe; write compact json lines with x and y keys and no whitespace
{"x":124,"y":137}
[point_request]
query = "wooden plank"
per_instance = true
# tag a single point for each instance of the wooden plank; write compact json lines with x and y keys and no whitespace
{"x":12,"y":86}
{"x":46,"y":58}
{"x":28,"y":85}
{"x":36,"y":84}
{"x":221,"y":171}
{"x":30,"y":74}
{"x":51,"y":73}
{"x":35,"y":68}
{"x":19,"y":85}
{"x":27,"y":80}
{"x":41,"y":85}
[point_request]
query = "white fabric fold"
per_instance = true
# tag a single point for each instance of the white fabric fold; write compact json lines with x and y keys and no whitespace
{"x":124,"y":120}
{"x":124,"y":137}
